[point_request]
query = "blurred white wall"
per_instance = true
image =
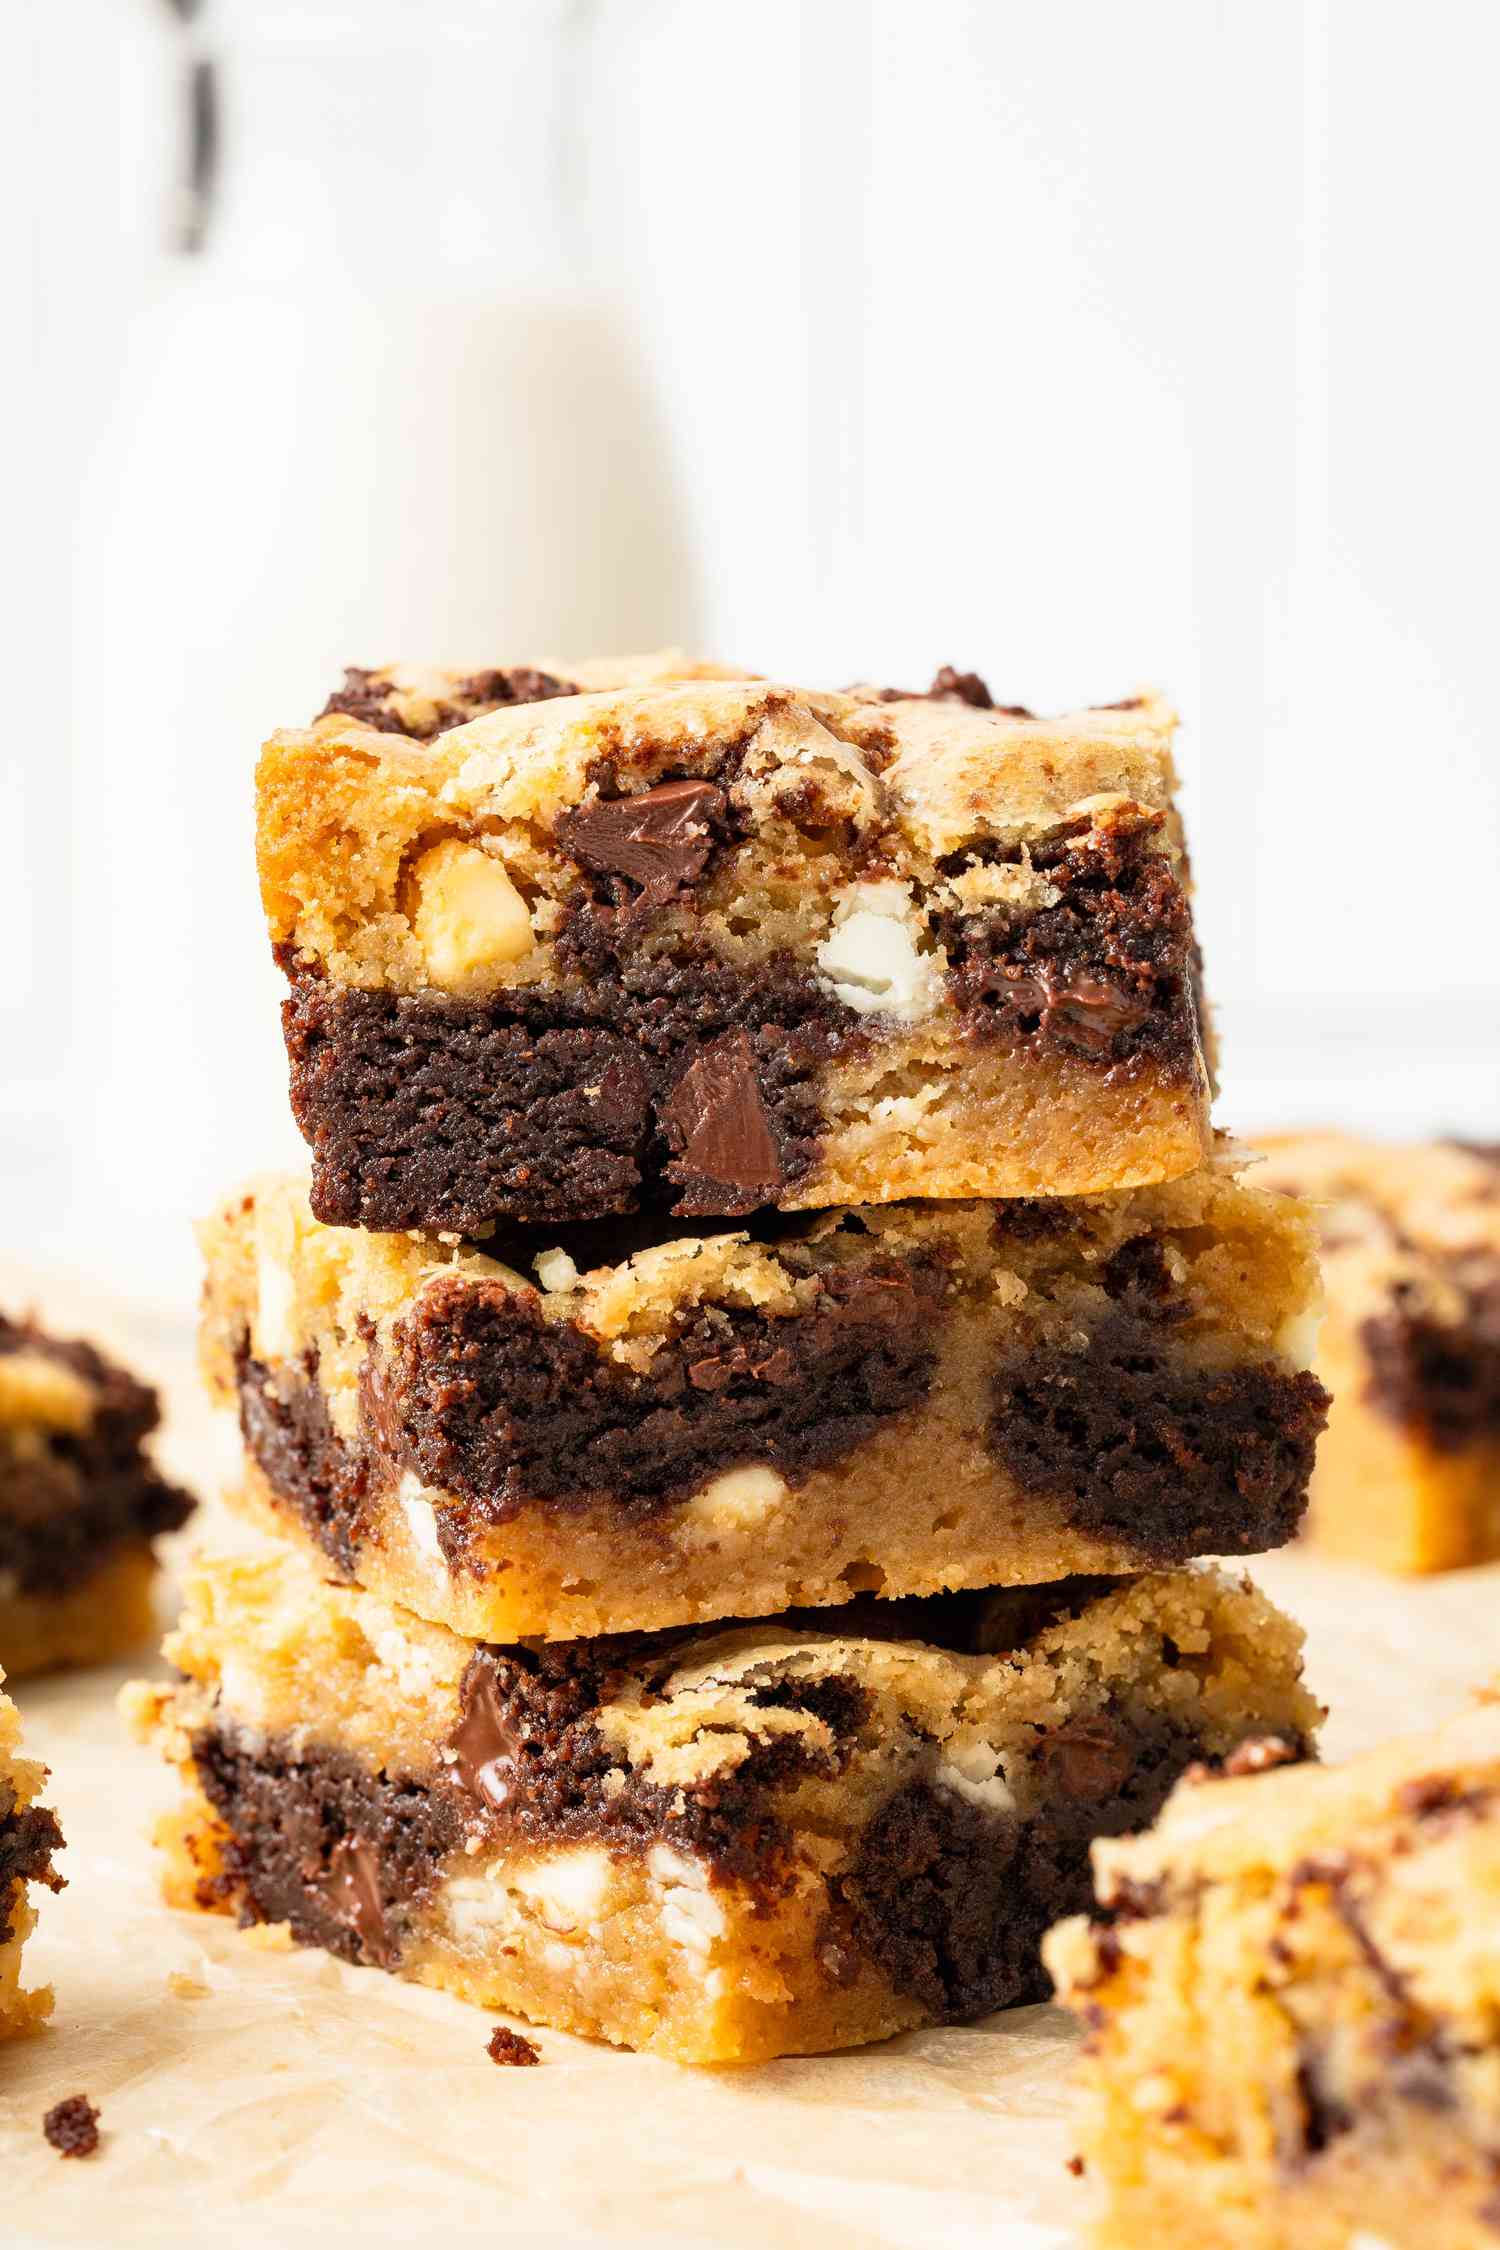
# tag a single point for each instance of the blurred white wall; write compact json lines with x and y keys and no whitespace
{"x":1083,"y":345}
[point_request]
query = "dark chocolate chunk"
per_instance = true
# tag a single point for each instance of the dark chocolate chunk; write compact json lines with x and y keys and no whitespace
{"x":352,"y":1889}
{"x":716,"y":1120}
{"x":72,"y":2126}
{"x":1086,"y":1758}
{"x":485,"y":1748}
{"x":493,"y":690}
{"x":949,"y":686}
{"x":511,"y":2049}
{"x":660,"y":838}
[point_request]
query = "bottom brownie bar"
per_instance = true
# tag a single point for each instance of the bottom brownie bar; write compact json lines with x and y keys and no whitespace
{"x":29,"y":1835}
{"x":1293,"y":2003}
{"x":719,"y":1843}
{"x":80,"y":1503}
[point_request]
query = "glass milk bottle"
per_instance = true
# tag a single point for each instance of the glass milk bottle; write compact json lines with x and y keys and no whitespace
{"x":381,"y":412}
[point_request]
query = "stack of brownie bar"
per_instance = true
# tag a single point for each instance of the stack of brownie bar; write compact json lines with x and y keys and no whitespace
{"x":768,"y":1338}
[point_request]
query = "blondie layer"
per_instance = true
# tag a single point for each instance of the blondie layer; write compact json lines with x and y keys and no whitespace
{"x":719,"y":1844}
{"x":1293,"y":2002}
{"x":715,"y":944}
{"x":1409,"y":1474}
{"x":29,"y":1835}
{"x":896,"y":1400}
{"x":80,"y":1503}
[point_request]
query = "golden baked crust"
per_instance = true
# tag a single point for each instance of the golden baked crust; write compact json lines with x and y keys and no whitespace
{"x":679,"y":1847}
{"x":806,"y":1383}
{"x":1294,"y":2006}
{"x":28,"y":1836}
{"x":1408,"y":1474}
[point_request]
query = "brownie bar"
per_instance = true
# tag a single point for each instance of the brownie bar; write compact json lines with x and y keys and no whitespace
{"x":80,"y":1503}
{"x":714,"y":945}
{"x":1409,"y":1476}
{"x":1292,"y":1998}
{"x":719,"y":1844}
{"x":737,"y":1422}
{"x":29,"y":1835}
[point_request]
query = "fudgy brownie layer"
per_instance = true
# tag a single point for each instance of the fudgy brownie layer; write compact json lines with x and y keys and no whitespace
{"x":1443,"y":1376}
{"x":948,"y":1899}
{"x":431,"y":1111}
{"x":663,"y":1075}
{"x":1178,"y":1460}
{"x":484,"y":1398}
{"x":1110,"y":972}
{"x":28,"y":1838}
{"x":70,"y":1498}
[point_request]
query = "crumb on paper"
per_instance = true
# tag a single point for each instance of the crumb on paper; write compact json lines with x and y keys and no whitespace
{"x":509,"y":2047}
{"x":269,"y":1937}
{"x":72,"y":2126}
{"x":185,"y":1987}
{"x":1077,"y":2167}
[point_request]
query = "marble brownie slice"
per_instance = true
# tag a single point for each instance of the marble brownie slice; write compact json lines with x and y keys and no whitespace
{"x":719,"y":1844}
{"x":29,"y":1835}
{"x":716,"y":944}
{"x":897,"y":1399}
{"x":1409,"y":1474}
{"x":1292,"y":1998}
{"x":80,"y":1503}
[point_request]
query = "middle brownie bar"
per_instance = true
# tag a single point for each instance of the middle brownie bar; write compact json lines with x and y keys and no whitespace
{"x":892,"y":1400}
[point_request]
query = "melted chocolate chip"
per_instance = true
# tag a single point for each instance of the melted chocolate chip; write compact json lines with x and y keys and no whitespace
{"x":351,"y":1888}
{"x":485,"y":1747}
{"x":716,"y":1120}
{"x":660,"y":839}
{"x":1085,"y":1758}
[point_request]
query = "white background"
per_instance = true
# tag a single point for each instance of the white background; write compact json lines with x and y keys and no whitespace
{"x":1085,"y":345}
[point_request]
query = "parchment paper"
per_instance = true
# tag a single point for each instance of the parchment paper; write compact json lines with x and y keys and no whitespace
{"x":258,"y":2096}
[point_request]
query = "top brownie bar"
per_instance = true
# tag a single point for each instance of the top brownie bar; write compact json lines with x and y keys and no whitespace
{"x":641,"y":936}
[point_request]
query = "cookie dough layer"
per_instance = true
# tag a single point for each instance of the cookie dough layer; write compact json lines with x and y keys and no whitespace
{"x":80,"y":1503}
{"x":1409,"y":1473}
{"x":29,"y":1835}
{"x":1293,"y":2007}
{"x":715,"y":945}
{"x":893,"y":1400}
{"x":720,"y":1845}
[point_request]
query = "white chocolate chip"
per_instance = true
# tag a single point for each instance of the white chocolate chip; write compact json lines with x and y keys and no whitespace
{"x":972,"y":1771}
{"x":421,"y":1519}
{"x":556,"y":1270}
{"x":740,"y":1497}
{"x":470,"y":920}
{"x":566,"y":1889}
{"x":275,"y":1296}
{"x":870,"y":956}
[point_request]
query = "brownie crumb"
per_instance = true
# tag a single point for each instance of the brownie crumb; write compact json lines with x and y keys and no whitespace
{"x":1076,"y":2166}
{"x":510,"y":2048}
{"x":72,"y":2126}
